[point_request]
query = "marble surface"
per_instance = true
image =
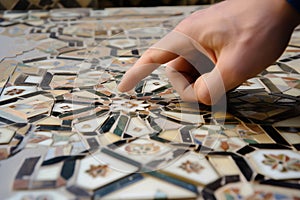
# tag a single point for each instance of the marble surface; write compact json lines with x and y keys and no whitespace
{"x":67,"y":133}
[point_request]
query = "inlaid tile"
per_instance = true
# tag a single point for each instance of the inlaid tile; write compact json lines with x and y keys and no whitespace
{"x":92,"y":170}
{"x":6,"y":134}
{"x":276,"y":164}
{"x":194,"y":168}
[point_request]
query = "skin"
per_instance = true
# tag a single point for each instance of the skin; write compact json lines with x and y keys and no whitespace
{"x":241,"y":37}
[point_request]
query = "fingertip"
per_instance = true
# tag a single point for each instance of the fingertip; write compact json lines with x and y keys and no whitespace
{"x":120,"y":88}
{"x":123,"y":86}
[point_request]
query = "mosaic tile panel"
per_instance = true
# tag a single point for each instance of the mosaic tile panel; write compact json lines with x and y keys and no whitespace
{"x":67,"y":133}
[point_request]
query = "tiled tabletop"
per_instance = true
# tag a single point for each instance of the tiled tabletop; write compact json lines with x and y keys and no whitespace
{"x":67,"y":133}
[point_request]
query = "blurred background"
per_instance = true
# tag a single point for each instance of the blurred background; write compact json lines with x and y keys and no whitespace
{"x":95,"y":4}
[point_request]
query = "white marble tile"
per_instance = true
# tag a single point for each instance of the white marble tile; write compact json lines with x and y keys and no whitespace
{"x":192,"y":167}
{"x":276,"y":164}
{"x":151,"y":188}
{"x":6,"y":134}
{"x":87,"y":181}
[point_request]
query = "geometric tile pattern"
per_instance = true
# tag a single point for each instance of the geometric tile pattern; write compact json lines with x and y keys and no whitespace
{"x":66,"y":132}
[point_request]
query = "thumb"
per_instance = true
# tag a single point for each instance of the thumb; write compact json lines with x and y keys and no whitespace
{"x":233,"y":67}
{"x":231,"y":70}
{"x":209,"y":88}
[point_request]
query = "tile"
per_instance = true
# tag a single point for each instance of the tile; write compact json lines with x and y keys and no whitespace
{"x":224,"y":165}
{"x":84,"y":113}
{"x":6,"y":134}
{"x":121,"y":125}
{"x":13,"y":115}
{"x":171,"y":135}
{"x":60,"y":104}
{"x":108,"y":138}
{"x":289,"y":130}
{"x":147,"y":32}
{"x":14,"y":46}
{"x":52,"y":121}
{"x":153,"y":85}
{"x":77,"y":147}
{"x":22,"y":178}
{"x":122,"y":43}
{"x":184,"y":117}
{"x":292,"y":92}
{"x":92,"y":143}
{"x":291,"y":136}
{"x":66,"y":107}
{"x":33,"y":79}
{"x":274,"y":68}
{"x":86,"y":53}
{"x":293,"y":64}
{"x":186,"y":136}
{"x":193,"y":168}
{"x":51,"y":63}
{"x":166,"y":124}
{"x":124,"y":182}
{"x":111,"y":86}
{"x":90,"y":125}
{"x":250,"y":133}
{"x":16,"y":91}
{"x":3,"y":153}
{"x":98,"y":170}
{"x":207,"y":135}
{"x":32,"y":106}
{"x":62,"y":82}
{"x":7,"y":67}
{"x":57,"y":150}
{"x":145,"y":150}
{"x":137,"y":127}
{"x":88,"y":96}
{"x":108,"y":124}
{"x":41,"y":194}
{"x":128,"y":106}
{"x":51,"y":45}
{"x":68,"y":14}
{"x":151,"y":187}
{"x":49,"y":173}
{"x":276,"y":164}
{"x":16,"y":30}
{"x":252,"y":84}
{"x":38,"y":140}
{"x":229,"y":144}
{"x":234,"y":190}
{"x":122,"y":63}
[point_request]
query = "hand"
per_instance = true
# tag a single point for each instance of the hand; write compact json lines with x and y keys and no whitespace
{"x":241,"y":37}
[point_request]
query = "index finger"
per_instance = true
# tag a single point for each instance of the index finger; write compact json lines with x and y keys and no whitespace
{"x":171,"y":46}
{"x":149,"y":61}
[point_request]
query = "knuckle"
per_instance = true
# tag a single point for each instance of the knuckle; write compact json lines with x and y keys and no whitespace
{"x":186,"y":24}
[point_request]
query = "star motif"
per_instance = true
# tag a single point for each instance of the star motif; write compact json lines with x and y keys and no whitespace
{"x":14,"y":92}
{"x":66,"y":107}
{"x":97,"y":171}
{"x":191,"y":167}
{"x":282,"y":162}
{"x":142,"y":149}
{"x":129,"y":106}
